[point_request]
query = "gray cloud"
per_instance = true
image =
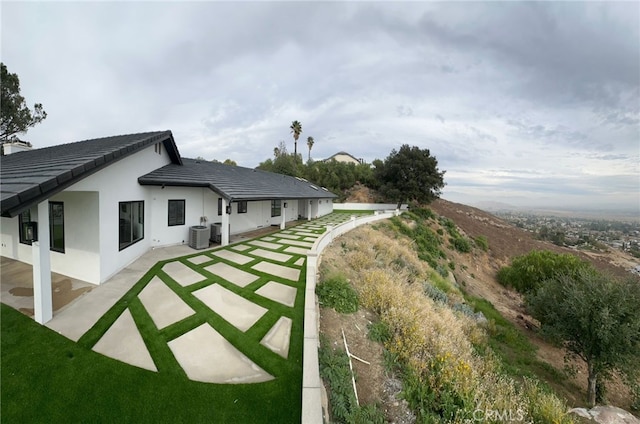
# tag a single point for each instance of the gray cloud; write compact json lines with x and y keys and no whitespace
{"x":540,"y":99}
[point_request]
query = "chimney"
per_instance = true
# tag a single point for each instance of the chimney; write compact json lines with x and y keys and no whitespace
{"x":16,"y":146}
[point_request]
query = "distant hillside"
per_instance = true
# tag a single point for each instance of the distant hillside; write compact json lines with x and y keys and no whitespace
{"x":505,"y":240}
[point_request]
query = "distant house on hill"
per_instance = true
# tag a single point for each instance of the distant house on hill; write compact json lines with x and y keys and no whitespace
{"x":345,"y":158}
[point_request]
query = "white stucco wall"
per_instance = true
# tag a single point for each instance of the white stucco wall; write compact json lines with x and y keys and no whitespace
{"x":10,"y":247}
{"x":199,"y":202}
{"x":325,"y":207}
{"x":119,"y":183}
{"x":81,"y":258}
{"x":259,"y":215}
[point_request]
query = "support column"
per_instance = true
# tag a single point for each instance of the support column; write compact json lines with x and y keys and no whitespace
{"x":42,"y":296}
{"x":224,"y":237}
{"x":309,"y":210}
{"x":283,"y":221}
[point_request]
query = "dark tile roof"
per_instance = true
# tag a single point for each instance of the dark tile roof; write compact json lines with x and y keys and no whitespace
{"x":32,"y":176}
{"x":234,"y":182}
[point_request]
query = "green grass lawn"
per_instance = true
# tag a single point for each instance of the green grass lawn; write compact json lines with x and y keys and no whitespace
{"x":48,"y":378}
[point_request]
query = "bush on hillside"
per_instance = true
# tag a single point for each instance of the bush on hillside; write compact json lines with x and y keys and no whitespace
{"x":527,"y":272}
{"x":337,"y":293}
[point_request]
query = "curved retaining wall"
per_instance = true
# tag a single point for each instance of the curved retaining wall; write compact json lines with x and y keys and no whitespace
{"x":311,"y":383}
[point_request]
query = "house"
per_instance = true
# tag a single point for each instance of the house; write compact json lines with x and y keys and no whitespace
{"x":90,"y":208}
{"x":345,"y":158}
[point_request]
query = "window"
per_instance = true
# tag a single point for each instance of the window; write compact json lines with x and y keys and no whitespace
{"x":242,"y":206}
{"x":56,"y":226}
{"x":23,"y":218}
{"x":220,"y":206}
{"x":276,"y":207}
{"x":131,"y":223}
{"x":176,"y":212}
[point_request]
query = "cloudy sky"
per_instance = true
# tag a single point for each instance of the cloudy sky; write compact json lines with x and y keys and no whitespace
{"x":530,"y":104}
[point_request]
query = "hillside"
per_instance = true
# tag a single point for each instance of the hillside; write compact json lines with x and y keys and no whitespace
{"x":472,"y":275}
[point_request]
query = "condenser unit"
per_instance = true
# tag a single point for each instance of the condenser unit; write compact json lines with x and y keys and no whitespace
{"x":199,"y":237}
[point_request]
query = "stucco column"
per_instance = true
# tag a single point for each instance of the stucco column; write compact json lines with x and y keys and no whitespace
{"x":42,"y":296}
{"x":284,"y":216}
{"x":224,"y":237}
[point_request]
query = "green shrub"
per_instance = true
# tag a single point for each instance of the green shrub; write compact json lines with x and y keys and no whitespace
{"x":482,"y":243}
{"x":527,"y":272}
{"x":452,"y":266}
{"x":424,"y":213}
{"x":435,"y":293}
{"x":440,"y":269}
{"x":379,"y":332}
{"x":635,"y":396}
{"x":336,"y":292}
{"x":461,"y":244}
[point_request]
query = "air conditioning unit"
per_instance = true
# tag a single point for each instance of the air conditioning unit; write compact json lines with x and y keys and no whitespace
{"x":216,"y":232}
{"x":199,"y":237}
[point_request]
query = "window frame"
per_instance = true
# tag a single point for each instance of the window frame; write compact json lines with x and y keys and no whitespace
{"x":21,"y":222}
{"x":176,"y":222}
{"x":52,"y":239}
{"x":276,"y":208}
{"x":242,"y":206}
{"x":122,"y":246}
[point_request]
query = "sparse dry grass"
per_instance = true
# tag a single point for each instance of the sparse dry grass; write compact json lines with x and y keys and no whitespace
{"x":446,"y":379}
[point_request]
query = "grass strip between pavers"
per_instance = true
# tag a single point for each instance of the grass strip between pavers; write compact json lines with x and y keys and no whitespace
{"x":123,"y":393}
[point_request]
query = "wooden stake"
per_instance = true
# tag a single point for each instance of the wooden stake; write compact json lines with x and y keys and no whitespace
{"x":353,"y":378}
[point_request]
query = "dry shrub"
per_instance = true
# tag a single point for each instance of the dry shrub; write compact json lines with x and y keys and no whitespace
{"x":430,"y":340}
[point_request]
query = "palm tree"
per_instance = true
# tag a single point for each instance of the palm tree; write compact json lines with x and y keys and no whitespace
{"x":309,"y":145}
{"x":296,"y":129}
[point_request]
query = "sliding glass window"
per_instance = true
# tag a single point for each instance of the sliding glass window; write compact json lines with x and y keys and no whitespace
{"x":131,"y":223}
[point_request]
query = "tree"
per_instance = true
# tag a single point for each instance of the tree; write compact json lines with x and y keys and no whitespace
{"x":296,"y":129}
{"x":310,"y":142}
{"x":15,"y":116}
{"x":527,"y":272}
{"x":230,"y":162}
{"x":595,"y":317}
{"x":409,"y":175}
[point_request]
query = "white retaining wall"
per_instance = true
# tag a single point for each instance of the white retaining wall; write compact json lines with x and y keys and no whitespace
{"x":311,"y":382}
{"x":368,"y":206}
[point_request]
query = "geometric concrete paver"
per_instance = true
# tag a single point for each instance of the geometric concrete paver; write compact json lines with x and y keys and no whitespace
{"x":232,"y":256}
{"x":182,"y":274}
{"x":208,"y":357}
{"x":163,"y":305}
{"x":123,"y":342}
{"x":268,"y":238}
{"x":199,"y":259}
{"x":277,"y":339}
{"x":266,"y":245}
{"x":279,"y":293}
{"x":236,"y":276}
{"x":296,"y":250}
{"x":240,"y":247}
{"x":280,"y":257}
{"x":288,"y":236}
{"x":278,"y":270}
{"x":311,"y":239}
{"x":297,"y":243}
{"x":237,"y":310}
{"x":299,"y":262}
